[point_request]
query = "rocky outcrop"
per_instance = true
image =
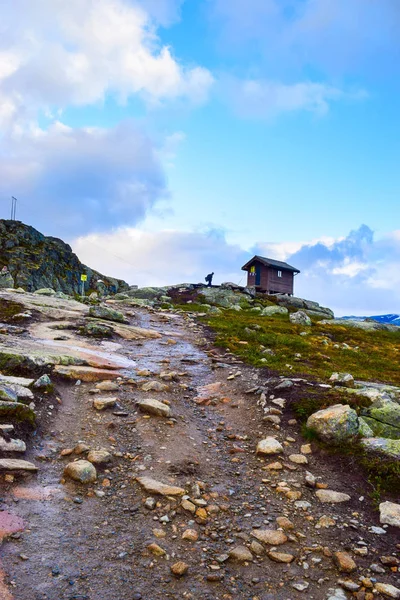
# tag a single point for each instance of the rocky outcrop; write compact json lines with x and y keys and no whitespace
{"x":35,"y":262}
{"x":365,"y":325}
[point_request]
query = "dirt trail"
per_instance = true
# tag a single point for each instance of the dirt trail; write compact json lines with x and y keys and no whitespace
{"x":91,"y":542}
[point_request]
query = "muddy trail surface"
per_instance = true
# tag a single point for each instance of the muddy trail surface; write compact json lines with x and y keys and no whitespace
{"x":230,"y":525}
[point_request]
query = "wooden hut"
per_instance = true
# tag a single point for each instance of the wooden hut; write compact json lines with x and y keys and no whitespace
{"x":270,"y":276}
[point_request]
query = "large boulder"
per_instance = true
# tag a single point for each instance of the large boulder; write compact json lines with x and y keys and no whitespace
{"x":365,"y":325}
{"x":336,"y":424}
{"x":300,"y":318}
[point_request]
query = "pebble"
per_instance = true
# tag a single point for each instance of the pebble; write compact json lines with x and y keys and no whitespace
{"x":301,"y":586}
{"x":179,"y":569}
{"x":344,"y":562}
{"x":190,"y":535}
{"x":390,"y":591}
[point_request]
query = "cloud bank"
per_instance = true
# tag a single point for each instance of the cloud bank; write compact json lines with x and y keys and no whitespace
{"x":356,"y":274}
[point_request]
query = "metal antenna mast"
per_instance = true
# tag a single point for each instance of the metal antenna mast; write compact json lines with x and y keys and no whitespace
{"x":13,"y":208}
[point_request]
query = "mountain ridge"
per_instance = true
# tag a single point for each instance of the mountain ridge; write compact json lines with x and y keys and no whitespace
{"x":36,"y":261}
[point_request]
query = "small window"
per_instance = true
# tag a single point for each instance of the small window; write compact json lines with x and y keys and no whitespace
{"x":279,"y":273}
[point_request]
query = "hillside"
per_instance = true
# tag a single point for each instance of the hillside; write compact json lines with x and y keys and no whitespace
{"x":36,"y":261}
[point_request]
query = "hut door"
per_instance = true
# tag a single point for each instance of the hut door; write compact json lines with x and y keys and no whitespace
{"x":258,"y":275}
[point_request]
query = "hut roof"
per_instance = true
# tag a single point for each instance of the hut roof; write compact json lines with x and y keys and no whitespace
{"x":270,"y":262}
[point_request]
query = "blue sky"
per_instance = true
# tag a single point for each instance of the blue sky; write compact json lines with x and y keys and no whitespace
{"x":167,"y":138}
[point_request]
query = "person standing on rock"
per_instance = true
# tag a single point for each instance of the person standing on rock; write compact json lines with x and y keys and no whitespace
{"x":209,"y":279}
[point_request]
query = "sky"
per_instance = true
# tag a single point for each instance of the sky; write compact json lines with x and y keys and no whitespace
{"x":165,"y":139}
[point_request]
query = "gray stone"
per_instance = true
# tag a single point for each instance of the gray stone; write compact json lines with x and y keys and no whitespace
{"x":300,"y":318}
{"x":390,"y":513}
{"x":335,"y":424}
{"x":43,"y":382}
{"x":382,"y":446}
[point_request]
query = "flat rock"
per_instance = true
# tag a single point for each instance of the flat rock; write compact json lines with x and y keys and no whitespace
{"x":280,"y":557}
{"x":390,"y":513}
{"x":269,"y":445}
{"x":156,"y":487}
{"x":12,"y":445}
{"x":107,"y":386}
{"x":13,"y":464}
{"x":89,"y":374}
{"x":331,"y":496}
{"x":298,"y":459}
{"x":270,"y":536}
{"x":240,"y":554}
{"x":99,"y":457}
{"x":150,"y":406}
{"x":22,"y":381}
{"x":82,"y":471}
{"x":101,"y":403}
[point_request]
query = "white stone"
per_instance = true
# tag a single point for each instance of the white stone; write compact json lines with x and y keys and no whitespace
{"x":269,"y":445}
{"x":390,"y":513}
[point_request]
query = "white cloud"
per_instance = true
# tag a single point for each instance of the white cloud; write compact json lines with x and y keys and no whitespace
{"x":55,"y":53}
{"x":73,"y":180}
{"x":350,"y":268}
{"x":337,"y":37}
{"x":162,"y":258}
{"x":259,"y":98}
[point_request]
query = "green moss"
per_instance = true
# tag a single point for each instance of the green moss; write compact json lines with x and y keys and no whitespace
{"x":9,"y":309}
{"x":373,"y":355}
